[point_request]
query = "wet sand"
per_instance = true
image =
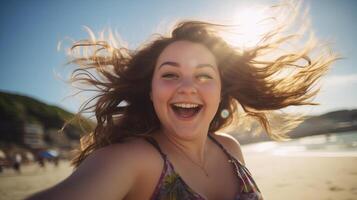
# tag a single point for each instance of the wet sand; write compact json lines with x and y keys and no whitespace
{"x":278,"y":177}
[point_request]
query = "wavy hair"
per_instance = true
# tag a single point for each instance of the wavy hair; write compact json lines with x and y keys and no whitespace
{"x":122,"y":79}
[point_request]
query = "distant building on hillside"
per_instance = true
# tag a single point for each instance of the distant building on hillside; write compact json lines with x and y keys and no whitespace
{"x":34,"y":136}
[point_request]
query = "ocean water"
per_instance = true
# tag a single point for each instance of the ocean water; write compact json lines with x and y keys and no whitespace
{"x":327,"y":145}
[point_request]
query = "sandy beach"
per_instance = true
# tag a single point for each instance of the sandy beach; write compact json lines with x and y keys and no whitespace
{"x":278,"y":177}
{"x":304,"y":178}
{"x":15,"y":186}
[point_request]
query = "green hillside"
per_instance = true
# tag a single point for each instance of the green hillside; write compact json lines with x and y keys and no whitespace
{"x":18,"y":109}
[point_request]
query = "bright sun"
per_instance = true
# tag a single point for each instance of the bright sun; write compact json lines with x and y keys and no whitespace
{"x":251,"y":24}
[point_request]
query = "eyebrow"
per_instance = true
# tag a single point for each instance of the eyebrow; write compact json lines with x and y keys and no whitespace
{"x":175,"y":64}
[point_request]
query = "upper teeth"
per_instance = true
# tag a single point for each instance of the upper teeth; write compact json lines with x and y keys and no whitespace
{"x":186,"y":105}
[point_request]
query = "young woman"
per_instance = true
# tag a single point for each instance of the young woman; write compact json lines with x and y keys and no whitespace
{"x":159,"y":109}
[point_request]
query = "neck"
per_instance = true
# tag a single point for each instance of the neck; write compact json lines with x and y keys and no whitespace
{"x":194,"y":148}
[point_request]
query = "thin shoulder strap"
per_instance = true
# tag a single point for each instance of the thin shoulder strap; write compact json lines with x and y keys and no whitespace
{"x":219,"y":144}
{"x":236,"y":163}
{"x":154,"y":143}
{"x":232,"y":158}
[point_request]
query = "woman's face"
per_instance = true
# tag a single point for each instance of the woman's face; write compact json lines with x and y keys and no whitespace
{"x":186,"y":89}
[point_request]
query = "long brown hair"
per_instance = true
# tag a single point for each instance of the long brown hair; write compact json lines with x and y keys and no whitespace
{"x":122,"y":79}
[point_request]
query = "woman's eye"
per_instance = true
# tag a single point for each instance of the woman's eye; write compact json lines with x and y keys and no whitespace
{"x":169,"y":76}
{"x":204,"y":77}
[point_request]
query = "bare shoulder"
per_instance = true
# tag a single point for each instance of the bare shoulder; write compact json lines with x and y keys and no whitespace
{"x":231,"y":144}
{"x":130,"y":152}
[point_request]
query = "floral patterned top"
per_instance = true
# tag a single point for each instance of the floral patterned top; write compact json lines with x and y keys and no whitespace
{"x":172,"y":187}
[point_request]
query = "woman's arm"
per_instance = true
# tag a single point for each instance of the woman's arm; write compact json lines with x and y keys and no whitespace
{"x":109,"y":173}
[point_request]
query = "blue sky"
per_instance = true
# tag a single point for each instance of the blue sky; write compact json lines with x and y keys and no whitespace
{"x":31,"y":30}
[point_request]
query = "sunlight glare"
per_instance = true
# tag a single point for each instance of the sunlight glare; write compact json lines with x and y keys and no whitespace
{"x":250,"y":25}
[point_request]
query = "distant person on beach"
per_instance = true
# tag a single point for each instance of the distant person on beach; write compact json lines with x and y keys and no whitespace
{"x":160,"y":108}
{"x":17,"y":162}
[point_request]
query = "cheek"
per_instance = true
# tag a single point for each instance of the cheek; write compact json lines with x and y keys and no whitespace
{"x":161,"y":91}
{"x":212,"y":92}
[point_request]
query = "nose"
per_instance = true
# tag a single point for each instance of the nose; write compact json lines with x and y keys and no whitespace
{"x":187,"y":86}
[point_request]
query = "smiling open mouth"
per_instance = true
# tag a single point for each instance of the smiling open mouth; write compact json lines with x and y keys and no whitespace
{"x":186,"y":110}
